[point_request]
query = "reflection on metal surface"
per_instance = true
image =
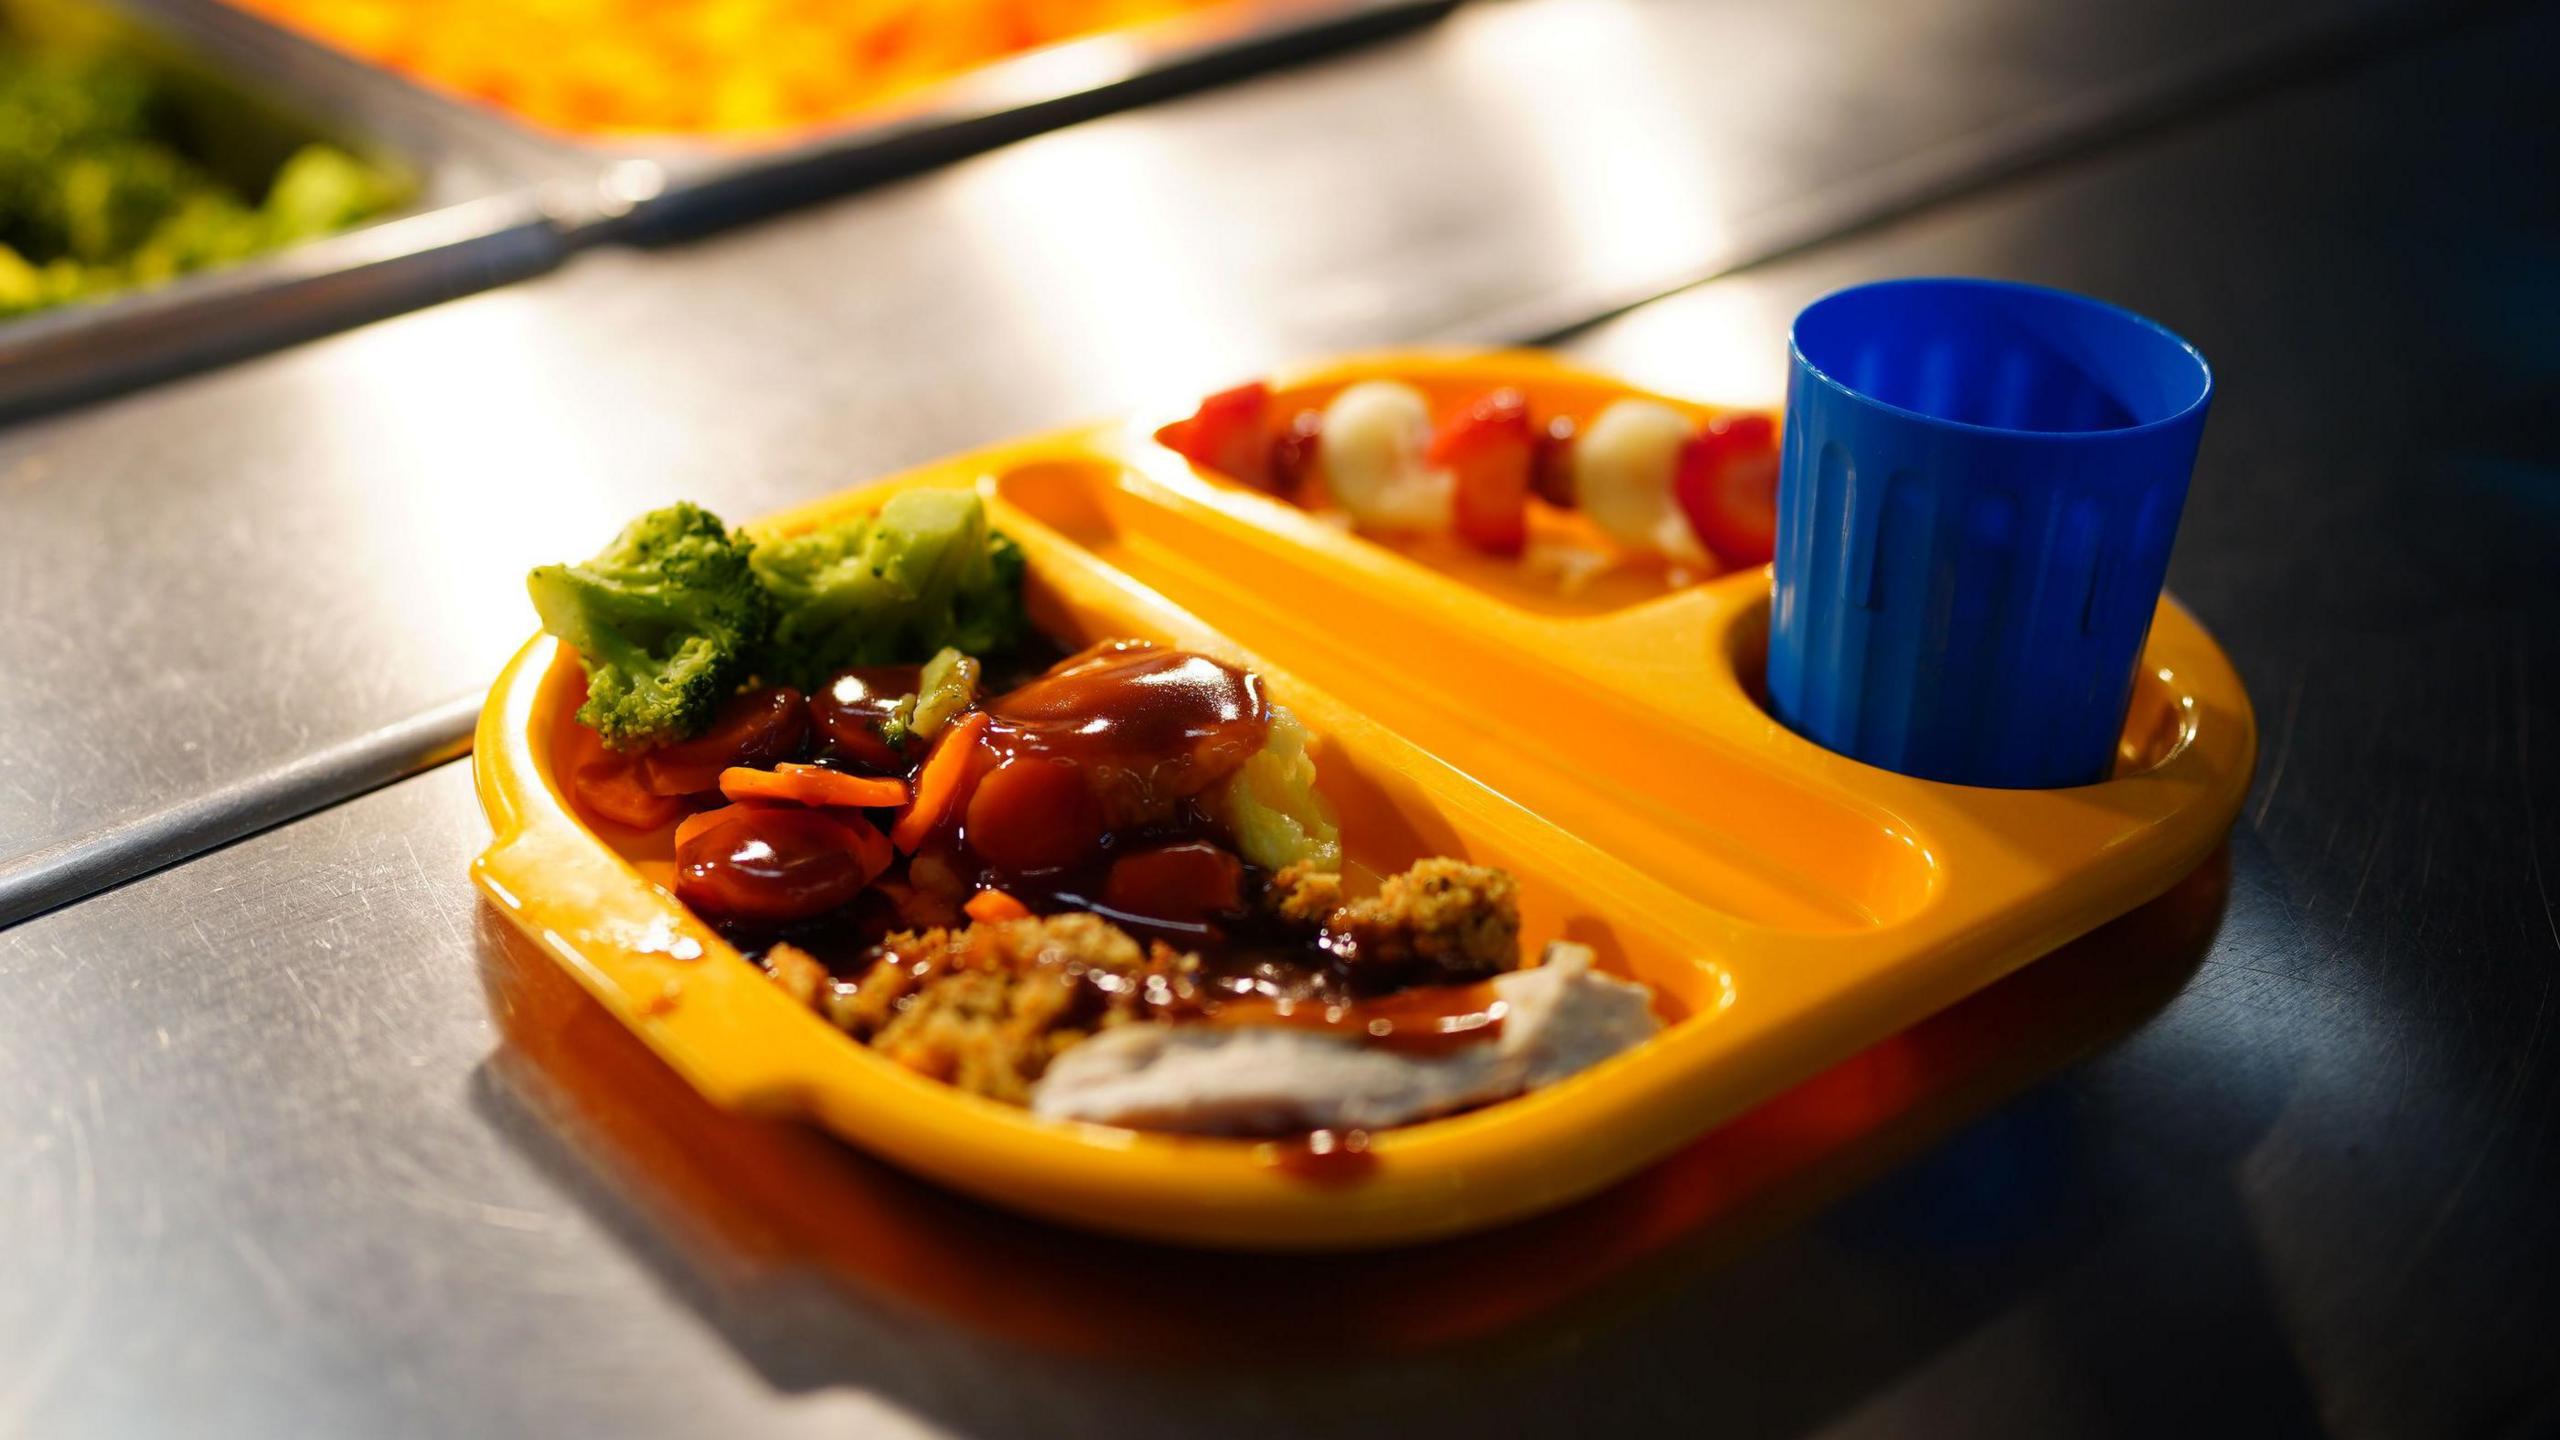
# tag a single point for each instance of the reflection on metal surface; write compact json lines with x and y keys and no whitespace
{"x":2187,"y":92}
{"x":1578,"y":91}
{"x":1085,"y":64}
{"x":1117,"y":283}
{"x":1725,"y":343}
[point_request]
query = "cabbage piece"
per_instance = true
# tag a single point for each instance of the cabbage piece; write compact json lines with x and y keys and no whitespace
{"x":1271,"y":807}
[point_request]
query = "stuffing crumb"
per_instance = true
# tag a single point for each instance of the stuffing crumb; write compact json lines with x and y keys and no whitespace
{"x":919,"y":908}
{"x":797,"y":972}
{"x":988,"y":1007}
{"x":1439,"y":922}
{"x":1304,"y":894}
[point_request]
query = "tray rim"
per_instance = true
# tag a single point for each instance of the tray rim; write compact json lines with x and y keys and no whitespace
{"x":620,"y":937}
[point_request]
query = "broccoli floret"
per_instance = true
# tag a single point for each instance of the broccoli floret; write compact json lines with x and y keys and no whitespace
{"x":923,"y":574}
{"x":986,"y":618}
{"x":667,"y":621}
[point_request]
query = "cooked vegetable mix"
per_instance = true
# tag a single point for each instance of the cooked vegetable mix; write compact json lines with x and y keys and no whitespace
{"x":976,"y":856}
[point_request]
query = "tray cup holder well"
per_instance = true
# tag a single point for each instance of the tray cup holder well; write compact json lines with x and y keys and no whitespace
{"x":2159,"y":721}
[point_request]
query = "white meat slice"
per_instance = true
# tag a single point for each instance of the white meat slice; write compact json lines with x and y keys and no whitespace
{"x":1563,"y":1017}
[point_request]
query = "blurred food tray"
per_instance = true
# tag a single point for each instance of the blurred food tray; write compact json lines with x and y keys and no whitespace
{"x":673,"y":183}
{"x":479,"y":209}
{"x":497,"y":200}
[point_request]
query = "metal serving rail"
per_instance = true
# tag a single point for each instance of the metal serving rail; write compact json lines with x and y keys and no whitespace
{"x":293,"y":1141}
{"x":310,"y":564}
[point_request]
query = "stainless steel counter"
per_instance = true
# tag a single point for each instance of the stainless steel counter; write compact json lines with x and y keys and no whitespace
{"x":293,"y":1140}
{"x":210,"y":581}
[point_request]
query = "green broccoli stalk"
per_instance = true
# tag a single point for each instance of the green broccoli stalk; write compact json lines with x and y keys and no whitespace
{"x":922,"y":575}
{"x":667,"y":621}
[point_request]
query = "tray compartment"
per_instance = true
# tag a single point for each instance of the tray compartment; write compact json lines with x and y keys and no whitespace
{"x":594,"y":896}
{"x":1664,"y":795}
{"x":1535,"y":583}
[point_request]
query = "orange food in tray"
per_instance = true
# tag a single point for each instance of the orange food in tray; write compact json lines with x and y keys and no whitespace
{"x":1587,"y":799}
{"x":608,"y":68}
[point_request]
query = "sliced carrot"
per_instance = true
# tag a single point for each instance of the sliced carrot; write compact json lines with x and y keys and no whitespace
{"x":992,"y":906}
{"x":938,"y":783}
{"x":615,"y":792}
{"x":812,"y":785}
{"x":606,"y":783}
{"x":869,"y":846}
{"x":699,"y":821}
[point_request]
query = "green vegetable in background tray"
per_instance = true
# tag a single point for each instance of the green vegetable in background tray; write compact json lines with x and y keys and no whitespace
{"x":100,"y":190}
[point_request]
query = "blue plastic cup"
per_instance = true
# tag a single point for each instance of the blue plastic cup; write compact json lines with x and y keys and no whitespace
{"x":1979,"y":485}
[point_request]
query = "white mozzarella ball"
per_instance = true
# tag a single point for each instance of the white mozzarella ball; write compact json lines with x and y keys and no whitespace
{"x":1376,"y":438}
{"x":1624,"y":463}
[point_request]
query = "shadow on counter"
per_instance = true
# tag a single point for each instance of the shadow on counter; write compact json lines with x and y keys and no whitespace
{"x":805,"y":1253}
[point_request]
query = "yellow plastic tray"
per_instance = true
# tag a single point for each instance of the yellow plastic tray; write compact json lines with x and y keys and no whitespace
{"x":1790,"y":906}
